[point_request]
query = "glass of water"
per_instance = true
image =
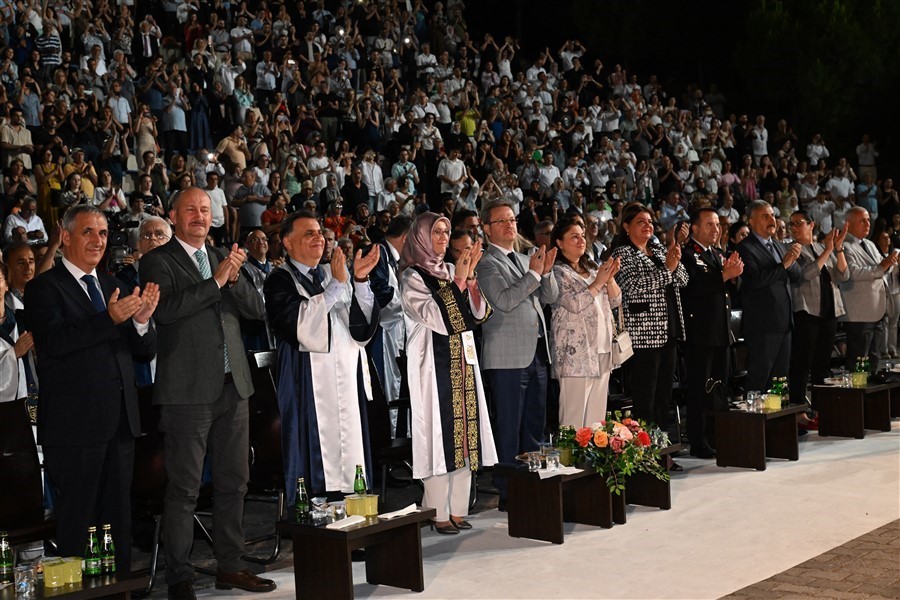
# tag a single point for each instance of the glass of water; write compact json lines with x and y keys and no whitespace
{"x":534,"y":461}
{"x":752,"y":401}
{"x":553,"y":460}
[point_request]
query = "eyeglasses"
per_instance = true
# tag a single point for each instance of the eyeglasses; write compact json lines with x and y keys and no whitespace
{"x":500,"y":221}
{"x":798,"y":223}
{"x":441,"y":232}
{"x":156,"y":235}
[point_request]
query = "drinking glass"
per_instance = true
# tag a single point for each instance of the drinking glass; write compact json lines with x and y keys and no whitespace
{"x":24,"y":580}
{"x":752,"y":401}
{"x":534,"y":461}
{"x":553,"y":460}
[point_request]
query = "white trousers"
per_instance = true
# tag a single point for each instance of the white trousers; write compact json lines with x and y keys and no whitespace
{"x":449,"y":493}
{"x":582,"y":400}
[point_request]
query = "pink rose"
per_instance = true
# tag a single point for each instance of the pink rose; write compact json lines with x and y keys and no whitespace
{"x":617,"y":444}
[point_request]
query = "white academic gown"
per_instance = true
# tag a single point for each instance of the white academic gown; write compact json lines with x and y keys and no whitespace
{"x":423,"y":317}
{"x":334,"y":361}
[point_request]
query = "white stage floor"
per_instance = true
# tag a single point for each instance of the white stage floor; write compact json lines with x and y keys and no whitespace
{"x":728,"y":528}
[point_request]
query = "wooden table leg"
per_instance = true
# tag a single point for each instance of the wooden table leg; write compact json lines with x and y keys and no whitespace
{"x":534,"y":508}
{"x":781,"y":438}
{"x":740,"y":440}
{"x":644,"y":489}
{"x":877,"y":411}
{"x":322,"y":568}
{"x":841,"y":413}
{"x":397,"y":559}
{"x":618,"y":508}
{"x":587,"y":501}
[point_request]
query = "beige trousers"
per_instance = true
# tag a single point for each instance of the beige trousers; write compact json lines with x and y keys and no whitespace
{"x":449,"y":493}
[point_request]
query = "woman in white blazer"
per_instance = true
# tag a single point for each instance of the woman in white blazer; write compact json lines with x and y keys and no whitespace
{"x":582,"y":325}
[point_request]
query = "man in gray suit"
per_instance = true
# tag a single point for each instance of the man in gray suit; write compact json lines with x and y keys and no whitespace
{"x":202,"y":386}
{"x":865,"y":292}
{"x":516,"y":351}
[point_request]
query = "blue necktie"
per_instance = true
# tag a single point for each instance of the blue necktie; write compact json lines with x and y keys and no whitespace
{"x":94,"y":292}
{"x":206,"y":273}
{"x":316,"y":278}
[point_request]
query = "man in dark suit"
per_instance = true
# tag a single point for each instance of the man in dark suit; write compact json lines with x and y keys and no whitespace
{"x":145,"y":45}
{"x":85,"y":337}
{"x":707,"y":316}
{"x":202,"y":386}
{"x":769,"y":270}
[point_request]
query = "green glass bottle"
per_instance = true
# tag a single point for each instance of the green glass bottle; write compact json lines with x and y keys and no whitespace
{"x":359,"y":482}
{"x":6,"y":559}
{"x":301,"y":503}
{"x":91,"y":565}
{"x":107,"y":552}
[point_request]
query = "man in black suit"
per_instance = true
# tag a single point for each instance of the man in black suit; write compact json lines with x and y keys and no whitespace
{"x":769,"y":270}
{"x":202,"y":386}
{"x":707,"y":315}
{"x":85,"y":337}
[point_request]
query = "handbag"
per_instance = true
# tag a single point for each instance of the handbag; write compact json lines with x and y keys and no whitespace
{"x":621,"y":342}
{"x":716,"y":395}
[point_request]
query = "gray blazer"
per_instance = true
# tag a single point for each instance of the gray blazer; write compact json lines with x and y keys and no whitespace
{"x":511,"y":334}
{"x":807,"y":293}
{"x":865,"y":292}
{"x":195,"y":320}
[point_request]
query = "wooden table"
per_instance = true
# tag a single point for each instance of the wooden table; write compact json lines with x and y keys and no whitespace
{"x":745,"y":439}
{"x":94,"y":587}
{"x":643,"y":489}
{"x":537,"y":508}
{"x":323,"y":567}
{"x":848,"y":412}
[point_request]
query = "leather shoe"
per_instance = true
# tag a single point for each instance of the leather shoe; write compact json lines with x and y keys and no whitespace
{"x":461,"y":524}
{"x":703,"y":451}
{"x":183,"y":590}
{"x":243,"y":580}
{"x":501,"y":505}
{"x":444,"y":529}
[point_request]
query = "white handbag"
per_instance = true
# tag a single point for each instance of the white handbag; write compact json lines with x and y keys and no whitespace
{"x":621,"y":342}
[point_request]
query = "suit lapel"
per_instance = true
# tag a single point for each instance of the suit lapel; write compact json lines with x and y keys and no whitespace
{"x":186,"y":262}
{"x":73,"y":288}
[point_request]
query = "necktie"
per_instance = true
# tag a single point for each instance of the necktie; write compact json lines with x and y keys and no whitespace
{"x":868,"y":252}
{"x":512,"y":258}
{"x":94,"y":292}
{"x":206,"y":273}
{"x":773,"y":251}
{"x":148,"y":51}
{"x":316,"y":278}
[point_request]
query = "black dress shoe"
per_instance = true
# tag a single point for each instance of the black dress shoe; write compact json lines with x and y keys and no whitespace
{"x":444,"y":529}
{"x":702,"y":451}
{"x":183,"y":590}
{"x":243,"y":580}
{"x":461,"y":524}
{"x":501,"y":505}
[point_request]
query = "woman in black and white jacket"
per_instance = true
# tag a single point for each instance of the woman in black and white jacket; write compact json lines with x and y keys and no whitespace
{"x":650,"y":277}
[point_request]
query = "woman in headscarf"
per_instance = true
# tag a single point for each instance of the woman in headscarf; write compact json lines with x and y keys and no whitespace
{"x":451,"y":431}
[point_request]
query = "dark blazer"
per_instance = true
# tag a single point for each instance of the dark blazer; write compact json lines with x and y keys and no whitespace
{"x":195,"y":320}
{"x":705,"y":299}
{"x":84,"y":360}
{"x":765,"y":288}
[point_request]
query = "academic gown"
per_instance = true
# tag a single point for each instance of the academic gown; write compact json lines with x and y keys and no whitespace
{"x":323,"y":383}
{"x":442,"y":386}
{"x":387,"y":348}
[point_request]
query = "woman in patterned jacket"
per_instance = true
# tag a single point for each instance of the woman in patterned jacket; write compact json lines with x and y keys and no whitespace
{"x":650,"y":276}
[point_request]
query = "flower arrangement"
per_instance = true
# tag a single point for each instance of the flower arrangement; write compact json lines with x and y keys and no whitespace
{"x":621,"y":446}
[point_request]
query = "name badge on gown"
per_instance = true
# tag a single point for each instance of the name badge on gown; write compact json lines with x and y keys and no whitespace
{"x":468,"y":340}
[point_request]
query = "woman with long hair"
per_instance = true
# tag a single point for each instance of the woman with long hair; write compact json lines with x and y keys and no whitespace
{"x":651,"y":276}
{"x":451,"y":431}
{"x":583,"y":326}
